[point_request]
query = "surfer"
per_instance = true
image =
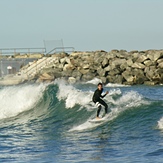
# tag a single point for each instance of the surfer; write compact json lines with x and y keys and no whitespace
{"x":98,"y":101}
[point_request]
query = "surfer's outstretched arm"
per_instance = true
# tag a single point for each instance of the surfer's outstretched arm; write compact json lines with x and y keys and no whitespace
{"x":105,"y":94}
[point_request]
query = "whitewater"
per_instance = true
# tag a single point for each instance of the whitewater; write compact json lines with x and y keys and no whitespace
{"x":50,"y":122}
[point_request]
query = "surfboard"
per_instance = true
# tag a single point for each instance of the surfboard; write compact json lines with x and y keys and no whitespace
{"x":95,"y":120}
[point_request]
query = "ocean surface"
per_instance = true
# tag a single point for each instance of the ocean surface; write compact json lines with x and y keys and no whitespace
{"x":50,"y":123}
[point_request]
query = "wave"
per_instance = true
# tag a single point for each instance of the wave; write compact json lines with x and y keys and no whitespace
{"x":160,"y":123}
{"x":130,"y":100}
{"x":117,"y":101}
{"x":60,"y":103}
{"x":17,"y":99}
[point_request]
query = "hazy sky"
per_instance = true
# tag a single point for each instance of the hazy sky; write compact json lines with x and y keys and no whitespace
{"x":82,"y":24}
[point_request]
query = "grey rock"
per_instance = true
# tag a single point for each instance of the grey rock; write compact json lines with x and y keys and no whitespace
{"x":141,"y":59}
{"x":128,"y":76}
{"x":71,"y":80}
{"x":138,"y":65}
{"x":148,"y":63}
{"x":160,"y":65}
{"x":105,"y":62}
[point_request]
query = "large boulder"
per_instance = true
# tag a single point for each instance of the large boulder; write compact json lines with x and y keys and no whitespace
{"x":148,"y":63}
{"x":68,"y":67}
{"x":71,"y":80}
{"x":108,"y":68}
{"x":85,"y":66}
{"x":160,"y":60}
{"x":129,"y":62}
{"x":118,"y":79}
{"x":46,"y":76}
{"x":66,"y":73}
{"x":138,"y":65}
{"x":123,"y":66}
{"x":149,"y":83}
{"x":128,"y":76}
{"x":149,"y":73}
{"x":101,"y":72}
{"x":115,"y":79}
{"x":88,"y":76}
{"x":110,"y":79}
{"x":141,"y":59}
{"x":160,"y":65}
{"x":155,"y":55}
{"x":135,"y":56}
{"x":110,"y":55}
{"x":114,"y":72}
{"x":118,"y":62}
{"x":76,"y":74}
{"x":105,"y":62}
{"x":139,"y":76}
{"x":103,"y":79}
{"x":83,"y":71}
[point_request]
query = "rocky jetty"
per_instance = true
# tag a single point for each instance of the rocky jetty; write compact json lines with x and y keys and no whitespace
{"x":116,"y":66}
{"x":122,"y":67}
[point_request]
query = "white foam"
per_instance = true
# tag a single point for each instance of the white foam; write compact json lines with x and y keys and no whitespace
{"x":17,"y":99}
{"x":73,"y":96}
{"x":89,"y":125}
{"x":160,"y":124}
{"x":116,"y":85}
{"x":130,"y":99}
{"x":94,"y":81}
{"x":115,"y":92}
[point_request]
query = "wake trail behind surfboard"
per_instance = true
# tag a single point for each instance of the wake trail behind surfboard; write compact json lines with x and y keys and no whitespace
{"x":95,"y":120}
{"x":89,"y":124}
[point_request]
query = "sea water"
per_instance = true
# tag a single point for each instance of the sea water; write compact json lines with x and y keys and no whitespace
{"x":51,"y":123}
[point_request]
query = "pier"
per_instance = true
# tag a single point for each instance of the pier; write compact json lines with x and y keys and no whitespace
{"x":13,"y":59}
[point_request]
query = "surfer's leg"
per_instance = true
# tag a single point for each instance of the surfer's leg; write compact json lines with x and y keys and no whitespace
{"x":98,"y":111}
{"x":105,"y":105}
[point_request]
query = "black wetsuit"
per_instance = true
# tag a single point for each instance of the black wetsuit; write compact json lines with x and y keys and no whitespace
{"x":98,"y":101}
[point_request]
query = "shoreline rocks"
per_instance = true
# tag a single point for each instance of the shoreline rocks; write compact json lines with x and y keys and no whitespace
{"x":119,"y":67}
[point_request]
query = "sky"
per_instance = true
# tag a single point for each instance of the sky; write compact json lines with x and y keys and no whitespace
{"x":86,"y":25}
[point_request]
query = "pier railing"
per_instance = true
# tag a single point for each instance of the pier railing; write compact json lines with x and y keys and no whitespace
{"x":61,"y":49}
{"x":13,"y":51}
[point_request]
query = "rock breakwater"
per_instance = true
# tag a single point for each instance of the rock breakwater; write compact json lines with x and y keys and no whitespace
{"x":122,"y":67}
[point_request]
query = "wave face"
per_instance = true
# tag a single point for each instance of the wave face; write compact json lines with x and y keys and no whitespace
{"x":51,"y":123}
